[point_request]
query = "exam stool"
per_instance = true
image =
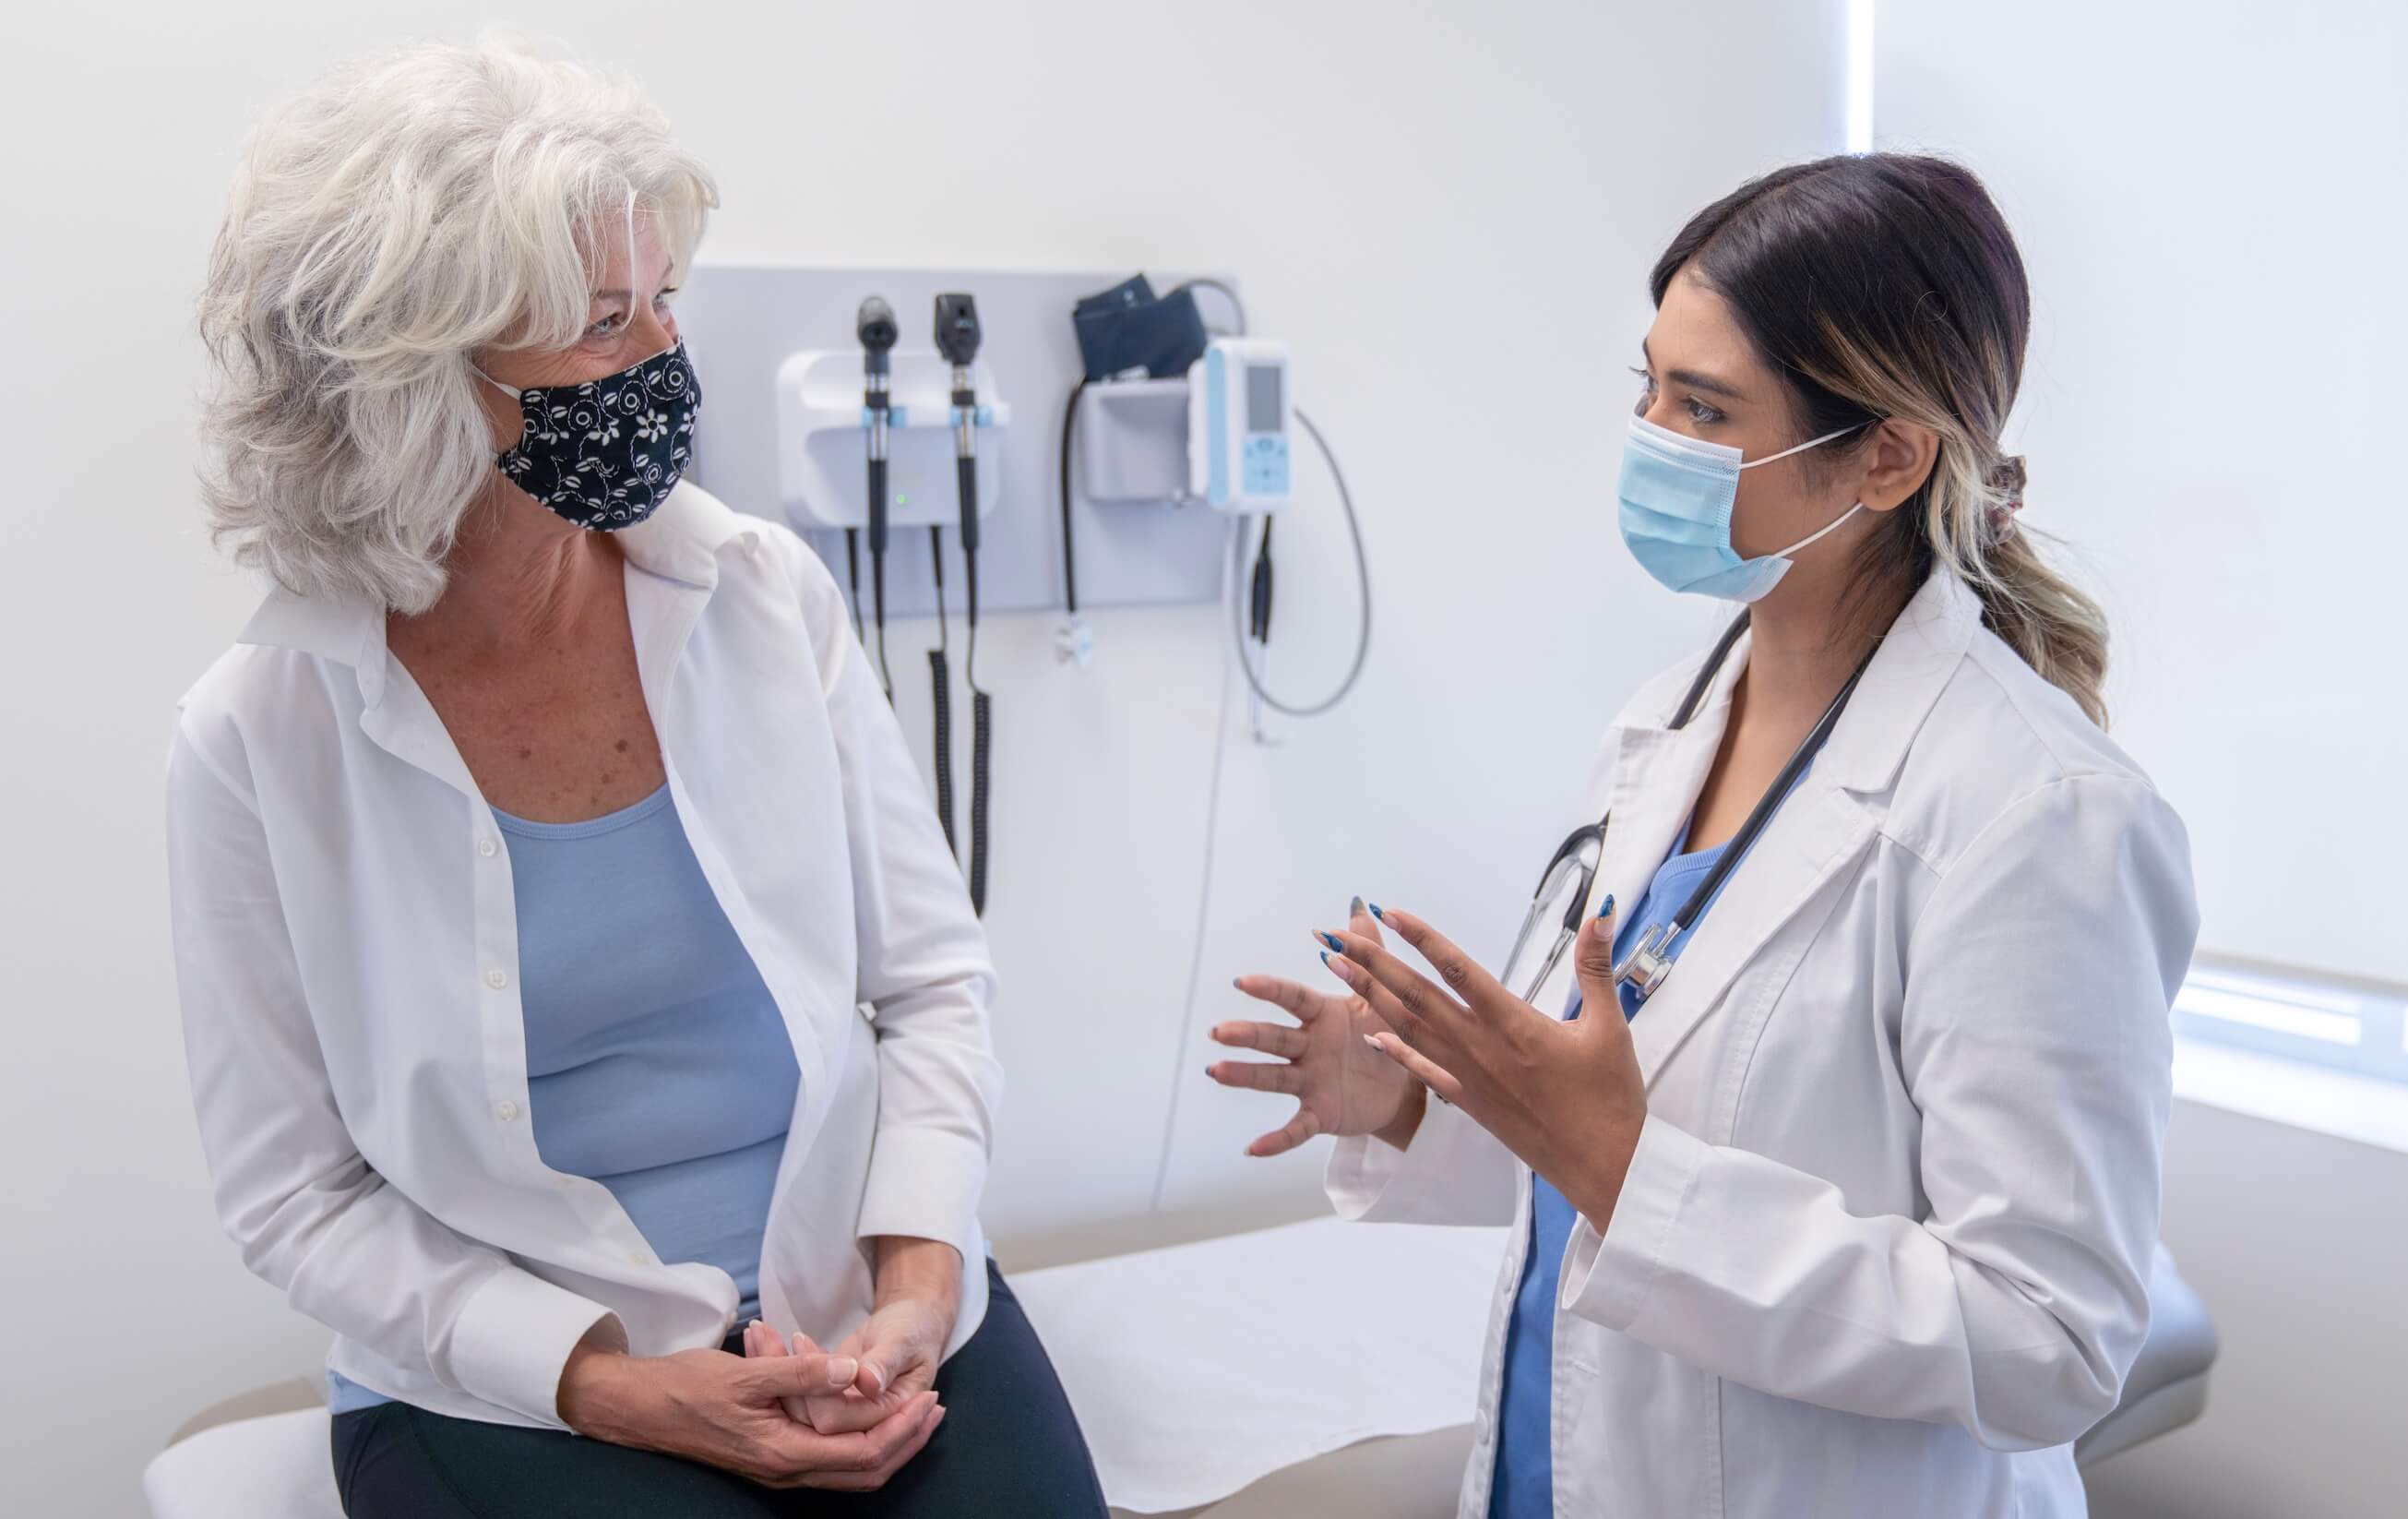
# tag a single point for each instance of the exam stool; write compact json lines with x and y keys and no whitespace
{"x":264,"y":1455}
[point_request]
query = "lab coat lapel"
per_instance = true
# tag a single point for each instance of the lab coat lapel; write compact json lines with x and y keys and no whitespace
{"x":1819,"y":834}
{"x":1657,"y":774}
{"x":1653,"y":775}
{"x":1815,"y":837}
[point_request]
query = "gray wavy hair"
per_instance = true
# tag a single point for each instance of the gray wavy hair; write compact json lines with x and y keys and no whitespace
{"x":405,"y":211}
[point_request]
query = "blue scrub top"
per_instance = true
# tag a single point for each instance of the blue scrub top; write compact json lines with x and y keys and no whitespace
{"x":1525,"y":1476}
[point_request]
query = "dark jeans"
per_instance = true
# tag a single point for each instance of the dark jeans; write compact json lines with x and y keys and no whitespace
{"x":1009,"y":1448}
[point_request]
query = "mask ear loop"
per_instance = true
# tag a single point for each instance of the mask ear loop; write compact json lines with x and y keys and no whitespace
{"x":1813,"y":538}
{"x":1832,"y":526}
{"x":1811,"y":442}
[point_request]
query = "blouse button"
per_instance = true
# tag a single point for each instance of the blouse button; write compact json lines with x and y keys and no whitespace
{"x":487,"y":848}
{"x":496,"y":978}
{"x":505,"y":1110}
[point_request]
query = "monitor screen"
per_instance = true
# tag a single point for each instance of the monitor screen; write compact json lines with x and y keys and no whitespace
{"x":1263,"y":398}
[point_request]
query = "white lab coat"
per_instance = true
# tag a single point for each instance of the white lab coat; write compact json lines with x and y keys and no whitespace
{"x":346,"y":947}
{"x":1883,"y":1249}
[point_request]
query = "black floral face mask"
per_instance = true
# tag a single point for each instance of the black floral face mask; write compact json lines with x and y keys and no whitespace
{"x":605,"y":454}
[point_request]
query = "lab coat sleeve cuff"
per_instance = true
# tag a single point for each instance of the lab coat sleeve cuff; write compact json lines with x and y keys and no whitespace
{"x":925,"y":1183}
{"x":1607,"y":1277}
{"x":513,"y":1339}
{"x":1453,"y":1173}
{"x":1364,"y":1171}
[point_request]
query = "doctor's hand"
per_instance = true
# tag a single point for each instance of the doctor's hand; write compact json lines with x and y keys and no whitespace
{"x":1566,"y":1098}
{"x":1341,"y":1085}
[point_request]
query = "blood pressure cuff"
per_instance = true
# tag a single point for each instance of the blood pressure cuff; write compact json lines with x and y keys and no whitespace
{"x":1127,"y":329}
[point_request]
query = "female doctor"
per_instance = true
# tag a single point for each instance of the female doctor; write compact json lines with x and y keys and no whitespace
{"x":1835,"y":1186}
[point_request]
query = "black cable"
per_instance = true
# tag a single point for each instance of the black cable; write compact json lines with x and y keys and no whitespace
{"x":1236,"y":550}
{"x":941,"y":682}
{"x":1069,"y":546}
{"x":982,"y":745}
{"x":852,"y":575}
{"x":964,"y":400}
{"x":874,"y":325}
{"x":878,"y":566}
{"x":1258,"y":616}
{"x":1228,"y":293}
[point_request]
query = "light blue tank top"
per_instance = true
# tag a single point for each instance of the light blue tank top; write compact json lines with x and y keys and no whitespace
{"x":657,"y":1062}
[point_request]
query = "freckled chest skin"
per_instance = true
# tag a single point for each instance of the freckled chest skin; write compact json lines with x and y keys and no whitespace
{"x":554,"y":732}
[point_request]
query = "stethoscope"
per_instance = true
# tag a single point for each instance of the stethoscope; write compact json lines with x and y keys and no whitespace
{"x":1578,"y":856}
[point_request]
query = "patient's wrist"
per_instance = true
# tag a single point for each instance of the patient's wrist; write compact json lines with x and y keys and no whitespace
{"x":908,"y":1267}
{"x":599,"y":1389}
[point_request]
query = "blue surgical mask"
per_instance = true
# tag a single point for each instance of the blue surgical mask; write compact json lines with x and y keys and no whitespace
{"x":605,"y":452}
{"x":1677,"y":492}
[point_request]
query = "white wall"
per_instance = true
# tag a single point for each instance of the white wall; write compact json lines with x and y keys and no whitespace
{"x":1448,"y":211}
{"x":2208,"y":198}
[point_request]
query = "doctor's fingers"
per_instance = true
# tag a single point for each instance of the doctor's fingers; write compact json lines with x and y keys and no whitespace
{"x":1271,"y":1038}
{"x":1419,"y":1065}
{"x":1463,"y":975}
{"x":1258,"y":1075}
{"x":1306,"y":1124}
{"x":1298,"y":1000}
{"x":1411,"y":1028}
{"x":1431,"y":1007}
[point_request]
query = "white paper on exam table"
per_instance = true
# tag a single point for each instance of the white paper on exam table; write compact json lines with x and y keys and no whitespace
{"x":1199,"y":1368}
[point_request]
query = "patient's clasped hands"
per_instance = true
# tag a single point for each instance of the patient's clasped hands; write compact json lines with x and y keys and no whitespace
{"x":788,"y":1415}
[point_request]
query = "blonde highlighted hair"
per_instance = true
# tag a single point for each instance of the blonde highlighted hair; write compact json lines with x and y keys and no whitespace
{"x":1886,"y":285}
{"x":405,"y":212}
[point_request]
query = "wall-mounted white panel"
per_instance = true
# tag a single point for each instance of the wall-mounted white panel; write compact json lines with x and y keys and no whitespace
{"x":743,"y":322}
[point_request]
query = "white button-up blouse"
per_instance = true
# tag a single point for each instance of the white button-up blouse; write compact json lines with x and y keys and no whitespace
{"x":346,"y":950}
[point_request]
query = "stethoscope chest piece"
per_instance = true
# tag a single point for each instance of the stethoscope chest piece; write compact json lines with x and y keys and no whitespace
{"x":1647,"y":963}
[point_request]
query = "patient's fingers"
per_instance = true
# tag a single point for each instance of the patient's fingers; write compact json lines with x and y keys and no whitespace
{"x":1261,"y":1076}
{"x":1271,"y":1038}
{"x":1298,"y":1001}
{"x":1303,"y":1127}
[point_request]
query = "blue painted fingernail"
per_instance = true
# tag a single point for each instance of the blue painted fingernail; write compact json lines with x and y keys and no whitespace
{"x":1377,"y":914}
{"x":1325,"y":957}
{"x":1355,"y":907}
{"x":1605,"y":909}
{"x":1331,"y":939}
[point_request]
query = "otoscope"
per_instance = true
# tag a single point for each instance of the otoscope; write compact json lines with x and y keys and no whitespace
{"x":957,"y":341}
{"x":875,"y":327}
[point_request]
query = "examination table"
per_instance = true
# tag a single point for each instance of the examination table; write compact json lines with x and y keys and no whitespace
{"x":1351,"y":1401}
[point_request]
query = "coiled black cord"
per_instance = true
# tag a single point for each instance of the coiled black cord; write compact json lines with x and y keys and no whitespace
{"x":853,"y":577}
{"x":1069,"y":540}
{"x":878,"y":567}
{"x":940,"y":680}
{"x":982,"y":745}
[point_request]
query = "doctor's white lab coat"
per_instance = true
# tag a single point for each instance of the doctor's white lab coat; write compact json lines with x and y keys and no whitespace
{"x":1883,"y":1249}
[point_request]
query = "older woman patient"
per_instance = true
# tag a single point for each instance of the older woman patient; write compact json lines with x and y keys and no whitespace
{"x":573,"y":971}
